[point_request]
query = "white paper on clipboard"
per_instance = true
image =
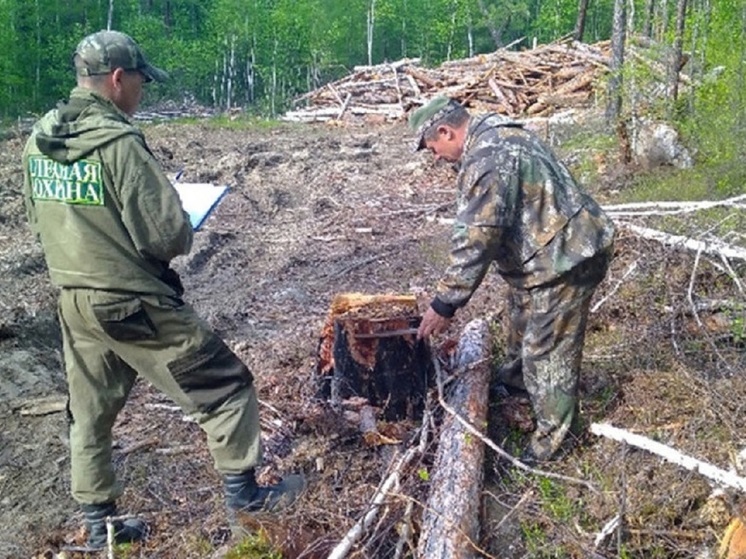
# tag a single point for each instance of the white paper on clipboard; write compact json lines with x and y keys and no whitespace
{"x":199,"y":199}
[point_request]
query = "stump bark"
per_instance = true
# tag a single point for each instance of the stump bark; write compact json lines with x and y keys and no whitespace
{"x":450,"y":521}
{"x":358,"y":356}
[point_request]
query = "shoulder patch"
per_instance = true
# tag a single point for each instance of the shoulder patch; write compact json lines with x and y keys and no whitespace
{"x":78,"y":183}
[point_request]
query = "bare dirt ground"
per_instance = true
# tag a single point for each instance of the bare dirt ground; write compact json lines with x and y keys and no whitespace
{"x":318,"y":210}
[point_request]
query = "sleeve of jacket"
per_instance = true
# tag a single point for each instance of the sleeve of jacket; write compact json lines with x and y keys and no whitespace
{"x":476,"y":236}
{"x":151,"y":208}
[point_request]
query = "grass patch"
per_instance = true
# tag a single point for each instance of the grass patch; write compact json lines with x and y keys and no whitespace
{"x":246,"y":122}
{"x":705,"y":182}
{"x":255,"y":546}
{"x":227,"y":122}
{"x":555,"y":501}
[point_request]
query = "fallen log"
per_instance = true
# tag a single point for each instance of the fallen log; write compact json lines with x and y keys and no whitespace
{"x":714,"y":247}
{"x":671,"y":208}
{"x":706,"y":469}
{"x":450,"y":521}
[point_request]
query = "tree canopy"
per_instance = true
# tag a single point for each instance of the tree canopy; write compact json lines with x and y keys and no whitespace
{"x":259,"y":54}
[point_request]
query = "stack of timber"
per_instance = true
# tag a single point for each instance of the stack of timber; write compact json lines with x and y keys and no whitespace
{"x":534,"y":82}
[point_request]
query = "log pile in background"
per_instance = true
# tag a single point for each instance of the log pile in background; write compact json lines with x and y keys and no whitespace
{"x":533,"y":82}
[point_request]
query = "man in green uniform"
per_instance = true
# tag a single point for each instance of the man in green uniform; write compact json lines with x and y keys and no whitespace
{"x":520,"y":208}
{"x":110,"y":222}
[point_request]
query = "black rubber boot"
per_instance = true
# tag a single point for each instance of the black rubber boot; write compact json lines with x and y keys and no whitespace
{"x":242,"y":494}
{"x":125,"y":531}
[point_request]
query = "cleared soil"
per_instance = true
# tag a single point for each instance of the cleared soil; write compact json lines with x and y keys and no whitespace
{"x":318,"y":210}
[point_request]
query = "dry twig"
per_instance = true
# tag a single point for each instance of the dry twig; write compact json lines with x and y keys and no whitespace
{"x":494,"y":446}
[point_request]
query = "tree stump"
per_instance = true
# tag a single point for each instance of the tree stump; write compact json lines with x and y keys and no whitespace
{"x":369,"y":349}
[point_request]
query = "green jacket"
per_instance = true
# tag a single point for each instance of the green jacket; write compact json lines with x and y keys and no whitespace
{"x":519,"y":207}
{"x":107,"y":216}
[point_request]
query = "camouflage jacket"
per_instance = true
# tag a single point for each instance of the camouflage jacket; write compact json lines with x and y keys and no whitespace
{"x":107,"y":216}
{"x":519,"y":207}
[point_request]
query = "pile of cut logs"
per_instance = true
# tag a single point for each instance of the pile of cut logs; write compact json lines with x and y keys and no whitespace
{"x":533,"y":82}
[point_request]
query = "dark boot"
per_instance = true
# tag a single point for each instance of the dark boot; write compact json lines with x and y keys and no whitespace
{"x":125,"y":531}
{"x":242,"y":494}
{"x":510,"y":374}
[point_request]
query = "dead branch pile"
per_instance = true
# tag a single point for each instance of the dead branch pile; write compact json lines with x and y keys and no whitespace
{"x":532,"y":82}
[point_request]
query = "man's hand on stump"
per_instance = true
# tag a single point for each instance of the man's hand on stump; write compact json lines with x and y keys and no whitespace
{"x":432,"y":323}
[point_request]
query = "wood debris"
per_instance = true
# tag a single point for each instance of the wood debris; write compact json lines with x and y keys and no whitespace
{"x":532,"y":82}
{"x":40,"y":406}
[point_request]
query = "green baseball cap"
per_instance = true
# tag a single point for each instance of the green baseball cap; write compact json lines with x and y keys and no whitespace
{"x":105,"y":51}
{"x":427,"y":115}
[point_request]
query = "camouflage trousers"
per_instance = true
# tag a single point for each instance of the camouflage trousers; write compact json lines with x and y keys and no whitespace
{"x":109,"y":339}
{"x":546,"y":332}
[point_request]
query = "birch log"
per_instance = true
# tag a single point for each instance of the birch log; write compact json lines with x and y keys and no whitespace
{"x":450,"y":522}
{"x":714,"y":247}
{"x":706,"y":469}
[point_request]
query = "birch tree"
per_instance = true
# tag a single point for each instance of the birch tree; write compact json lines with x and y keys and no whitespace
{"x":675,"y":63}
{"x":489,"y":16}
{"x":614,"y":104}
{"x":369,"y":28}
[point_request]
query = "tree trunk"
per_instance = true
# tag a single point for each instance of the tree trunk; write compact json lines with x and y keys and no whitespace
{"x":168,"y":20}
{"x":450,"y":522}
{"x":110,"y":17}
{"x":614,"y":106}
{"x":231,"y":75}
{"x":580,"y":22}
{"x":451,"y":34}
{"x":403,"y":35}
{"x":699,"y":49}
{"x":741,"y":74}
{"x":371,"y":22}
{"x":675,"y":65}
{"x":494,"y":31}
{"x":663,"y":28}
{"x":273,"y":86}
{"x":647,"y":30}
{"x":250,"y":77}
{"x":470,"y":37}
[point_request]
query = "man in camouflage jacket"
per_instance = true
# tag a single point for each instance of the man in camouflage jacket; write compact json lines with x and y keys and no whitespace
{"x":110,"y":222}
{"x":520,"y":208}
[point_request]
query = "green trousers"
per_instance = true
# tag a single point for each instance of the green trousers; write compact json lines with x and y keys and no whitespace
{"x":108,"y":340}
{"x":546,"y":334}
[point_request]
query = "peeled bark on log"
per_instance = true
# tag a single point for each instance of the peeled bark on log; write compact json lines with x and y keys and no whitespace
{"x":450,"y":522}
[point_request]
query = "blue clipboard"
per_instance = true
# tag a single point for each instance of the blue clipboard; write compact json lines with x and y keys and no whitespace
{"x":199,"y":199}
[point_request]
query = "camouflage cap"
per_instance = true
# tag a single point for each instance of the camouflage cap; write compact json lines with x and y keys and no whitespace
{"x":105,"y":51}
{"x":427,"y":115}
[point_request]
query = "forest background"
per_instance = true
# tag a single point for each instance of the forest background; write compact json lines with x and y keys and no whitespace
{"x":259,"y":55}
